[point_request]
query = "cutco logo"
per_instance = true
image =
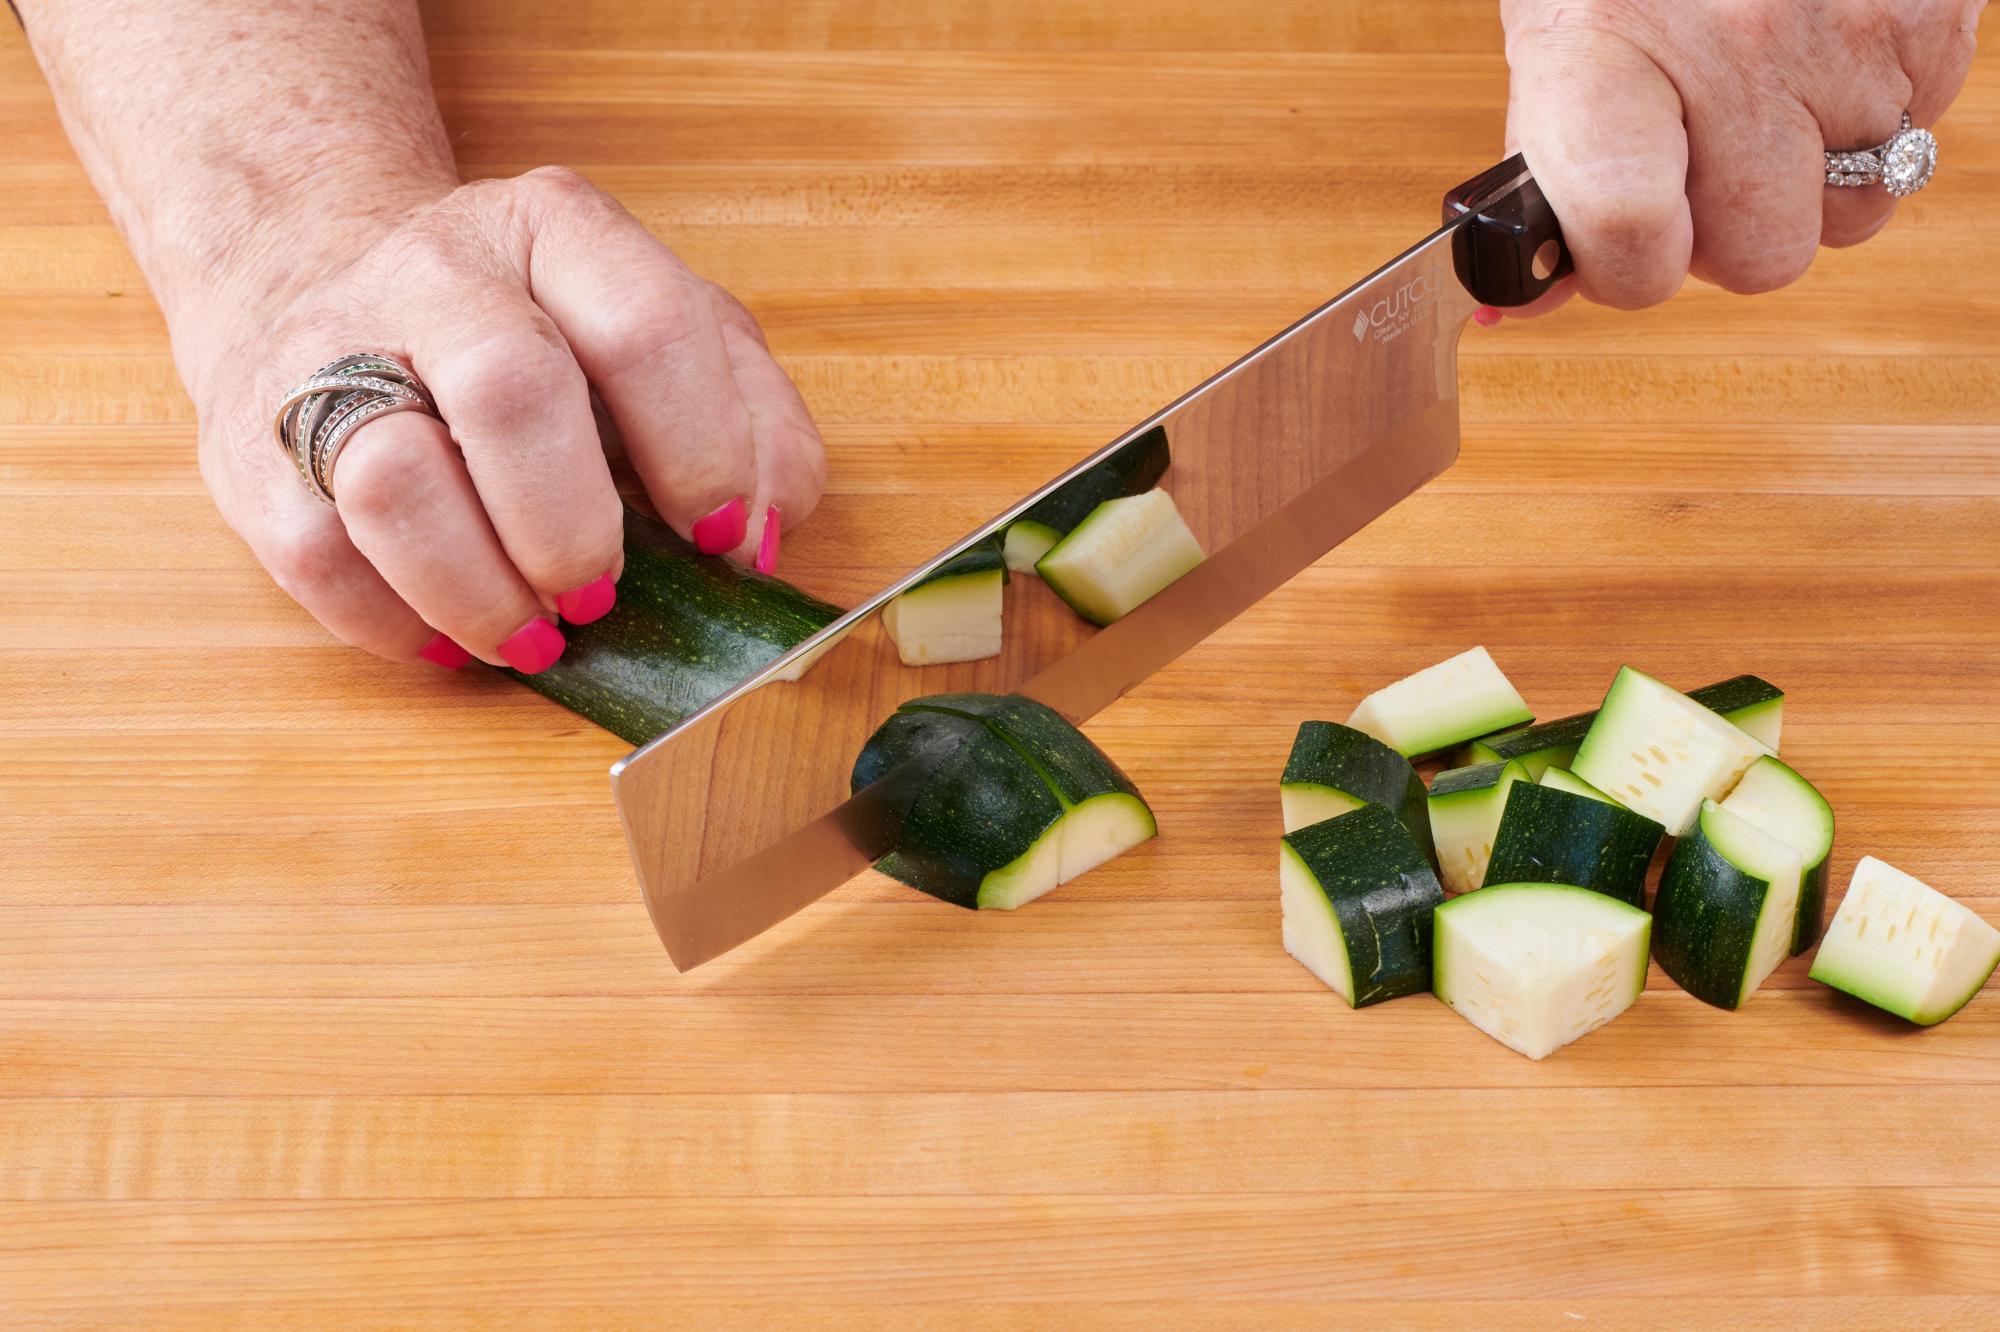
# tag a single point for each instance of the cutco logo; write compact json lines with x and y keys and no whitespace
{"x":1390,"y":317}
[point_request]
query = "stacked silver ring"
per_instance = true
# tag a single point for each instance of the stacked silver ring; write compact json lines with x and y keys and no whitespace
{"x":317,"y":418}
{"x":1902,"y":165}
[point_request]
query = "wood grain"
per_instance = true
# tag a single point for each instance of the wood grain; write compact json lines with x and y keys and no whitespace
{"x":336,"y":1007}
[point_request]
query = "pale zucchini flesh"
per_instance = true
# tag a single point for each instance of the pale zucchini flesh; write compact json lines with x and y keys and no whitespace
{"x":1726,"y":908}
{"x":1121,"y":556}
{"x":1659,"y":752}
{"x":1027,"y":541}
{"x":1781,"y":802}
{"x":1304,"y":803}
{"x":1466,"y":805}
{"x":1458,"y":699}
{"x":1562,"y":779}
{"x":1905,"y":947}
{"x":958,"y":618}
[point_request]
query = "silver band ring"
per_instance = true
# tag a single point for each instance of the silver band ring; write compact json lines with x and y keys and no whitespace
{"x":315,"y":420}
{"x":1902,"y":164}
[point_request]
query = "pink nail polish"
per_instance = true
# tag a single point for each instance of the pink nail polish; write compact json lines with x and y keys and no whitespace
{"x":723,"y":529}
{"x":767,"y":549}
{"x":441,"y":651}
{"x":534,"y":647}
{"x":592,"y":601}
{"x":1486,"y":317}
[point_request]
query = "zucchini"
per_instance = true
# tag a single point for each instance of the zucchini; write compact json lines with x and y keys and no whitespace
{"x":1357,"y":899}
{"x":1549,"y":835}
{"x":1747,"y":703}
{"x":1121,"y":556}
{"x":1905,"y":947}
{"x":1465,"y":809}
{"x":1562,"y":779}
{"x":1754,"y":705}
{"x":687,"y":629}
{"x":953,"y":615}
{"x":1536,"y":965}
{"x":1726,"y":909}
{"x":1335,"y":768}
{"x":1132,"y":469}
{"x":1021,"y":801}
{"x":1660,"y":752}
{"x":1784,"y":804}
{"x":1442,"y":705}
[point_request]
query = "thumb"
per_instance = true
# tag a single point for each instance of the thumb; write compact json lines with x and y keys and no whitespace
{"x":1600,"y":125}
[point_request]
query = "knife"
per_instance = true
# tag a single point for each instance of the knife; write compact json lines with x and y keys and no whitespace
{"x":740,"y":815}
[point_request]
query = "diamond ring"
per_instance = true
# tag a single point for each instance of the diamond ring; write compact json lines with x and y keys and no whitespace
{"x":315,"y":420}
{"x":1902,"y":165}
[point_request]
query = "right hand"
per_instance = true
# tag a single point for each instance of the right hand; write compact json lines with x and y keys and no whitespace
{"x":511,"y":299}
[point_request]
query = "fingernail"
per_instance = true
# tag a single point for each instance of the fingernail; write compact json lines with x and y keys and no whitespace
{"x":534,"y":647}
{"x":767,"y":549}
{"x":592,"y":601}
{"x":723,"y":529}
{"x":1486,"y":317}
{"x":441,"y":651}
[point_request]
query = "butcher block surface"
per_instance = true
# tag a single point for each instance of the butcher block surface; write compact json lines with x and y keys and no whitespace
{"x":326,"y":995}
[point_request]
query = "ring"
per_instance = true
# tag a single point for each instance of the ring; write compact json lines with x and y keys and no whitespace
{"x":315,"y":420}
{"x":1903,"y":164}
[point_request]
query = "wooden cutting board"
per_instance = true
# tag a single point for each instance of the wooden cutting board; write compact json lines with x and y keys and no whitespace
{"x":326,"y":999}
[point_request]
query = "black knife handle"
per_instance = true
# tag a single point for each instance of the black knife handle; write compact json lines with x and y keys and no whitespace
{"x":1512,"y":249}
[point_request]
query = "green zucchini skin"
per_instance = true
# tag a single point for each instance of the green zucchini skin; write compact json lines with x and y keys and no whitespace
{"x":1357,"y":764}
{"x":1382,"y":891}
{"x":1705,"y":921}
{"x":1076,"y":768}
{"x":1132,"y":470}
{"x":1737,"y":693}
{"x":1554,"y":836}
{"x":982,"y":558}
{"x":687,"y":629}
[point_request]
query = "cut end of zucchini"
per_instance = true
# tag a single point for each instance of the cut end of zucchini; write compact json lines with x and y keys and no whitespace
{"x":1454,"y":701}
{"x":1784,"y":804}
{"x":1038,"y":871}
{"x":1905,"y":947}
{"x":1305,"y":804}
{"x":1311,"y":929}
{"x":1662,"y":753}
{"x":1466,"y":805}
{"x":1027,"y":541}
{"x":1121,"y":556}
{"x":1535,"y":966}
{"x":1562,"y":779}
{"x":957,"y":618}
{"x":1100,"y":829}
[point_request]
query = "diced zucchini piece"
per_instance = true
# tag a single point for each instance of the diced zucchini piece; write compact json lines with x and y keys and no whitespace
{"x":1119,"y":557}
{"x":1660,"y":752}
{"x":1538,"y":747}
{"x":1442,"y":705}
{"x":1335,"y":768}
{"x":1726,"y":909}
{"x":1784,"y":804}
{"x":1132,"y":468}
{"x":1750,"y":704}
{"x":1537,"y":965}
{"x":1465,"y":809}
{"x":1905,"y":947}
{"x":1357,"y":900}
{"x":1548,"y":835}
{"x":954,"y":615}
{"x":1027,"y":541}
{"x":1562,"y":779}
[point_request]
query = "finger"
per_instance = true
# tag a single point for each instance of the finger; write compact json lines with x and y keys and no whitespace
{"x":1849,"y":214}
{"x":646,"y":335}
{"x":1600,"y":125}
{"x":410,"y":506}
{"x":791,"y":457}
{"x":519,"y":410}
{"x":1756,"y":187}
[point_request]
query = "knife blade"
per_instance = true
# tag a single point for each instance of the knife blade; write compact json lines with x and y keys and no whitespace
{"x":740,"y":815}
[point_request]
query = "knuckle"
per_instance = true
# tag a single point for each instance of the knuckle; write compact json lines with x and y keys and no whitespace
{"x":558,"y":187}
{"x":494,"y":382}
{"x":375,"y":476}
{"x":647,"y":324}
{"x":311,"y":568}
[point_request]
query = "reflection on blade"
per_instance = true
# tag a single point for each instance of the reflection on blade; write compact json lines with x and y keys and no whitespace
{"x":740,"y":815}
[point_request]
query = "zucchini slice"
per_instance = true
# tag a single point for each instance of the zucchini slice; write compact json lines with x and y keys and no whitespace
{"x":687,"y":629}
{"x":1661,"y":753}
{"x":1442,"y":705}
{"x":1748,"y":703}
{"x":1357,"y":897}
{"x":1549,"y":835}
{"x":1465,"y":809}
{"x":1121,"y":556}
{"x":1726,"y":909}
{"x":1562,"y":779}
{"x":1335,"y":768}
{"x":1536,"y":965}
{"x":1905,"y":947}
{"x":1132,"y":469}
{"x":953,"y":615}
{"x":1754,"y":705}
{"x":1784,"y":804}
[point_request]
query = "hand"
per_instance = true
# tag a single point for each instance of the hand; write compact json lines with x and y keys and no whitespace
{"x":511,"y":299}
{"x":1685,"y":136}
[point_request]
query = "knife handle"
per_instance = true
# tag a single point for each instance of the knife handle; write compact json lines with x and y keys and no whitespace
{"x":1511,"y":250}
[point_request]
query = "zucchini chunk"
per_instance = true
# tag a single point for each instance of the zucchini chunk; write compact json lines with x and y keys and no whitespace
{"x":1442,"y":705}
{"x":1021,"y":801}
{"x":1544,"y":745}
{"x":1121,"y":556}
{"x":1562,"y":779}
{"x":1784,"y":804}
{"x":1132,"y":469}
{"x":1661,"y":753}
{"x":1335,"y":768}
{"x":1027,"y":541}
{"x":1357,"y":900}
{"x":1747,"y":703}
{"x":1726,"y":909}
{"x":1536,"y":965}
{"x":1549,"y":835}
{"x":1905,"y":947}
{"x":1465,"y":809}
{"x":953,"y":615}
